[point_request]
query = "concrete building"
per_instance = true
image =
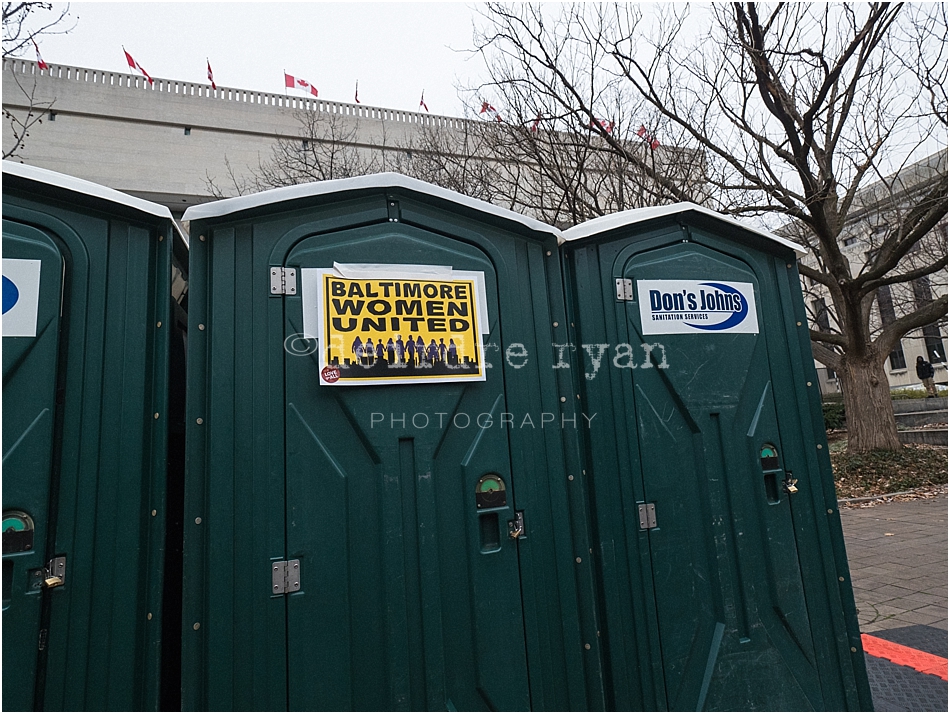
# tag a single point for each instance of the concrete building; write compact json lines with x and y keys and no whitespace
{"x":164,"y":142}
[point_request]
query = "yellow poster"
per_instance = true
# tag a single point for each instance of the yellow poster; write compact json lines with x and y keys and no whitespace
{"x":392,"y":330}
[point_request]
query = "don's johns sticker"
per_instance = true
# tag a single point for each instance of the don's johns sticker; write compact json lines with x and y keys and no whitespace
{"x":21,"y":296}
{"x":390,"y":324}
{"x":679,"y":307}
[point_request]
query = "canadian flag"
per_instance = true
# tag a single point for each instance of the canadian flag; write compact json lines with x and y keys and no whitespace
{"x":39,"y":58}
{"x":297,"y":83}
{"x":486,"y":107}
{"x":135,"y":65}
{"x":211,"y":76}
{"x":422,"y":101}
{"x":647,"y":136}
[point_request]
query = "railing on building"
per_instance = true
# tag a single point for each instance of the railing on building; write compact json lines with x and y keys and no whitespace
{"x":192,"y":89}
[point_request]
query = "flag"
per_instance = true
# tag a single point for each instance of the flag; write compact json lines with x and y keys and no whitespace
{"x":211,"y":76}
{"x":422,"y":100}
{"x":39,"y":58}
{"x":297,"y":83}
{"x":647,"y":136}
{"x":135,"y":65}
{"x":607,"y":126}
{"x":537,"y":120}
{"x":486,"y":107}
{"x":356,"y":96}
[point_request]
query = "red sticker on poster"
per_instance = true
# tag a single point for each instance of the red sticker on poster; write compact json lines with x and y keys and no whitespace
{"x":330,"y":374}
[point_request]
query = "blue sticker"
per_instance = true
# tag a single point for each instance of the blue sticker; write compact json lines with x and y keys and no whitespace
{"x":10,"y":294}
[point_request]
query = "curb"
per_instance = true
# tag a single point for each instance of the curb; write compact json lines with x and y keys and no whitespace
{"x":865,"y":499}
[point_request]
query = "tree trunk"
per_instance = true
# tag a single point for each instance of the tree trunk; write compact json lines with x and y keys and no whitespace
{"x":867,"y":406}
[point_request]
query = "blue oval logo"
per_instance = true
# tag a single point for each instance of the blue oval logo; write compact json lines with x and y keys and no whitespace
{"x":10,"y":295}
{"x":733,"y":319}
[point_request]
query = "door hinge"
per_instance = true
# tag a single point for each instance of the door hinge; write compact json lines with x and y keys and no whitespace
{"x":624,"y":289}
{"x":283,"y":281}
{"x":285,"y":577}
{"x":647,"y":513}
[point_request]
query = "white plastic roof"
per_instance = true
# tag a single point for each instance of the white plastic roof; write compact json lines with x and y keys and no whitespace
{"x":227,"y":206}
{"x":638,"y":215}
{"x":85,"y":187}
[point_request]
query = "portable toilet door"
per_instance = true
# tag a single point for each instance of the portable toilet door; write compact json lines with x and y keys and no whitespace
{"x":725,"y":582}
{"x":86,"y":274}
{"x":376,"y":517}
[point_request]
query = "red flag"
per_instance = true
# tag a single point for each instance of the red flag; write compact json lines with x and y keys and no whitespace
{"x":135,"y":65}
{"x":603,"y":124}
{"x":297,"y":83}
{"x":486,"y":107}
{"x":211,"y":76}
{"x":422,"y":100}
{"x":537,"y":120}
{"x":647,"y":136}
{"x":39,"y":58}
{"x":356,"y":96}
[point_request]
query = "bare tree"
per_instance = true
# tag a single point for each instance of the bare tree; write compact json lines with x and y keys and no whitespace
{"x":327,"y":146}
{"x":796,"y":109}
{"x":23,"y":23}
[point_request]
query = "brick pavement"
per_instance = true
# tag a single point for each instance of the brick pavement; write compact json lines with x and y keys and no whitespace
{"x":897,"y":552}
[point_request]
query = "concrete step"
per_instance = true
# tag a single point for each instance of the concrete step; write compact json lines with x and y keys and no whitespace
{"x":902,"y":406}
{"x":936,"y":437}
{"x":920,"y":418}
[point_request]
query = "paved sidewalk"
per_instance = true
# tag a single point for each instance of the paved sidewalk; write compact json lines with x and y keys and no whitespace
{"x":898,"y":557}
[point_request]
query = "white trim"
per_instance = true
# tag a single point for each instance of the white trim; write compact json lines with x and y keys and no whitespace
{"x":227,"y":206}
{"x":71,"y":183}
{"x":638,"y":215}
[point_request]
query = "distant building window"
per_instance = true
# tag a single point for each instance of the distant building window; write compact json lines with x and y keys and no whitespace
{"x":922,"y":293}
{"x":898,"y":361}
{"x":850,"y":241}
{"x":52,"y":116}
{"x":830,"y":373}
{"x":187,"y":131}
{"x":936,"y":352}
{"x":821,"y":314}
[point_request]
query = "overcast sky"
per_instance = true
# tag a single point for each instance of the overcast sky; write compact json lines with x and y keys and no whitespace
{"x":395,"y":49}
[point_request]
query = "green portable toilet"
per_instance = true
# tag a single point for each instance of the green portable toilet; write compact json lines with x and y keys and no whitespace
{"x":367,"y":525}
{"x":724,"y":581}
{"x":86,"y":304}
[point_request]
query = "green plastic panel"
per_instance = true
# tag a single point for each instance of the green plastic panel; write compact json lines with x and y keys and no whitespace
{"x":84,"y":452}
{"x":410,"y":598}
{"x":739,"y":598}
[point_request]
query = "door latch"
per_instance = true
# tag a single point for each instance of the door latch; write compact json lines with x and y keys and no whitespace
{"x":55,"y":574}
{"x":788,"y":483}
{"x":647,"y":513}
{"x":516,"y":526}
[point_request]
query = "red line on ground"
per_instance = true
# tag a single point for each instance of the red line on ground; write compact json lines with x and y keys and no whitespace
{"x":907,"y":656}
